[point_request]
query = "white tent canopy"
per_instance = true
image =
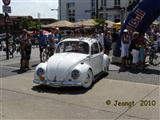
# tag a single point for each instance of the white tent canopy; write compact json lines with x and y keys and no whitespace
{"x":110,"y":23}
{"x":85,"y":23}
{"x":61,"y":23}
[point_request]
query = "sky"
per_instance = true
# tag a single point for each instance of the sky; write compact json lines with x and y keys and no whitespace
{"x":33,"y":8}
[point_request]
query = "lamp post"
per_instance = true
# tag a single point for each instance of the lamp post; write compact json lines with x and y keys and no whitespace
{"x":39,"y":17}
{"x":97,"y":11}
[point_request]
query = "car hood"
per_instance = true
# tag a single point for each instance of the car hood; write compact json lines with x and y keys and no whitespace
{"x":60,"y":65}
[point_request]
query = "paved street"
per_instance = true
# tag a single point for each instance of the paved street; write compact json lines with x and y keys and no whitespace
{"x":21,"y":99}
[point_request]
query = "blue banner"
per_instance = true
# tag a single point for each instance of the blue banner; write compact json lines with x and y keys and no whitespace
{"x":142,"y":16}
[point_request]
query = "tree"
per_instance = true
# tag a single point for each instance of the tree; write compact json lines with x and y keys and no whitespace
{"x":29,"y":24}
{"x":1,"y":15}
{"x":100,"y":23}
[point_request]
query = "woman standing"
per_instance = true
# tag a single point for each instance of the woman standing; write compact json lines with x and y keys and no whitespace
{"x":23,"y":39}
{"x":135,"y":49}
{"x":125,"y":43}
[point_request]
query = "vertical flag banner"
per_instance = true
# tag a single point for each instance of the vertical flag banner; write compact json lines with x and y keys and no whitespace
{"x":142,"y":16}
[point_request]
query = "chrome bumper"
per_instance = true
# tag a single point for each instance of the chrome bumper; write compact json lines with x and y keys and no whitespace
{"x":58,"y":83}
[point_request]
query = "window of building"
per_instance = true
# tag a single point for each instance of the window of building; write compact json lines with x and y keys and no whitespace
{"x":93,"y":14}
{"x":105,"y":3}
{"x":106,"y":16}
{"x":71,"y":19}
{"x":102,"y":3}
{"x":117,"y":2}
{"x":101,"y":15}
{"x":93,"y":3}
{"x":117,"y":18}
{"x":71,"y":5}
{"x":71,"y":11}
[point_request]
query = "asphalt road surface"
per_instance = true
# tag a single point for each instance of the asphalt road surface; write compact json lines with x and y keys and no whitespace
{"x":21,"y":99}
{"x":149,"y":75}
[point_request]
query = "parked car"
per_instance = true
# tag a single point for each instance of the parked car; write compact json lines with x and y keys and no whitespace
{"x":76,"y":62}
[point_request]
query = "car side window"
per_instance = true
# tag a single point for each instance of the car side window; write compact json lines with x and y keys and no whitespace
{"x":94,"y":48}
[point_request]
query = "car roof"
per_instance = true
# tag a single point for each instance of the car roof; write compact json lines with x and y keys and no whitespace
{"x":84,"y":39}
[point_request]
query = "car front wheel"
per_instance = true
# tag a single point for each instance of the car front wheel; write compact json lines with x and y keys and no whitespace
{"x":87,"y":83}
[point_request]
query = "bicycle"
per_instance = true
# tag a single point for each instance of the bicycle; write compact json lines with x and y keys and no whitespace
{"x":152,"y":53}
{"x":44,"y":54}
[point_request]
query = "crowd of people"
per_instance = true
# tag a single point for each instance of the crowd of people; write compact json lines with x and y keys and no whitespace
{"x":27,"y":39}
{"x":133,"y":45}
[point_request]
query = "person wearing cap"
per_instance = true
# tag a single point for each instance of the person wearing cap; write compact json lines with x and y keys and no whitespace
{"x":125,"y":43}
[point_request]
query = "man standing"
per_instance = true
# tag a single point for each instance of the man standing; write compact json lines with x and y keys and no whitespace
{"x":42,"y":40}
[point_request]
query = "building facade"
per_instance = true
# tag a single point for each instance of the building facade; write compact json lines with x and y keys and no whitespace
{"x":76,"y":10}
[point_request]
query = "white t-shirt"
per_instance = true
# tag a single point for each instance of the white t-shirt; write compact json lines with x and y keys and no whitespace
{"x":101,"y":38}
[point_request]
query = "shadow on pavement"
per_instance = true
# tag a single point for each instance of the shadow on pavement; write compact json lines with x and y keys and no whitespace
{"x":61,"y":90}
{"x":145,"y":71}
{"x":65,"y":90}
{"x":34,"y":65}
{"x":19,"y":71}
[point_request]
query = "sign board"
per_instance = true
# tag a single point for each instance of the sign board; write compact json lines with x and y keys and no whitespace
{"x":6,"y":9}
{"x":6,"y":2}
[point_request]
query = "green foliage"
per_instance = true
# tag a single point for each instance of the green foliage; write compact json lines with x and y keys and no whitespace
{"x":29,"y":24}
{"x":1,"y":15}
{"x":100,"y":22}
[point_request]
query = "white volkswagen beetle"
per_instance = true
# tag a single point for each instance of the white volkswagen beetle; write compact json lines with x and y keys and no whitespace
{"x":76,"y":62}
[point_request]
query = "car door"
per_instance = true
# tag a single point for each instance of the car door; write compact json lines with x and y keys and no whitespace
{"x":96,"y":58}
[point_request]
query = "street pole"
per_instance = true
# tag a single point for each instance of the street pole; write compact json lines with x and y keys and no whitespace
{"x":39,"y":17}
{"x":6,"y":10}
{"x":97,"y":16}
{"x":7,"y":36}
{"x":60,"y":2}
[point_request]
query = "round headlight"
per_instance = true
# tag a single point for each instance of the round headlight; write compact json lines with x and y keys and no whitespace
{"x":75,"y":74}
{"x":40,"y":71}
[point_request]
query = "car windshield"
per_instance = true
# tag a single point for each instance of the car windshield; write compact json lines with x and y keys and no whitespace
{"x":73,"y":46}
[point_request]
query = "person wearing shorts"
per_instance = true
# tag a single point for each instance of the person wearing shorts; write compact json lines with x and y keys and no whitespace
{"x":125,"y":43}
